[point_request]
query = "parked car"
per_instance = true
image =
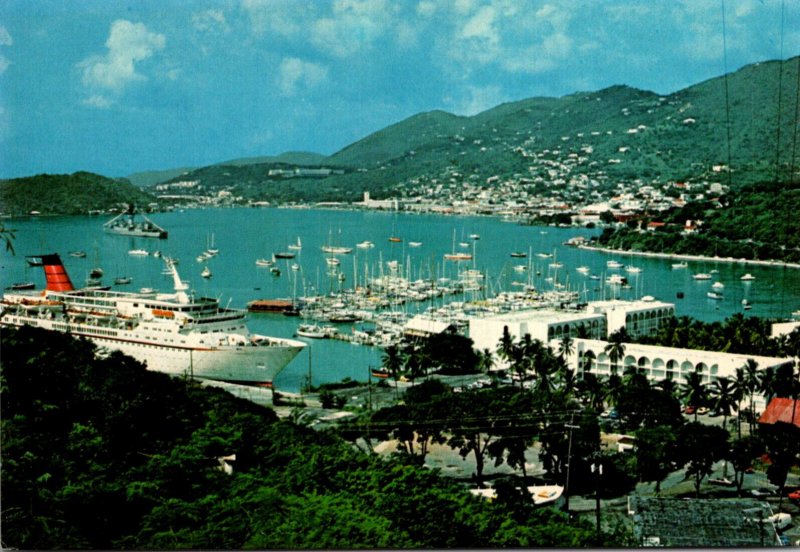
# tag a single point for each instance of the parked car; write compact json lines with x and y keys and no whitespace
{"x":702,"y":410}
{"x":689,"y":410}
{"x":794,"y":495}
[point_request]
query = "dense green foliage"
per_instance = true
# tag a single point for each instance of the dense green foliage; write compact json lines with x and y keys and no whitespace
{"x":68,"y":194}
{"x":736,"y":334}
{"x":100,"y":453}
{"x":755,"y":223}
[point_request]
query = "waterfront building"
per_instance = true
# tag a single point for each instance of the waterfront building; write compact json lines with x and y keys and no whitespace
{"x":658,"y":363}
{"x":637,"y":317}
{"x":424,"y":327}
{"x":541,"y":324}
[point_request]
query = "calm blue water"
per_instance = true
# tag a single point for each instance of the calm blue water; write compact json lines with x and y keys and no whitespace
{"x":242,"y":235}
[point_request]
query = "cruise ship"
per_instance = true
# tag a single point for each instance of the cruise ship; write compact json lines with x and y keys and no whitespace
{"x":175,"y":333}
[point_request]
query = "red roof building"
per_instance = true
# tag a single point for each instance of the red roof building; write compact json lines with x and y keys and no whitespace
{"x":781,"y":410}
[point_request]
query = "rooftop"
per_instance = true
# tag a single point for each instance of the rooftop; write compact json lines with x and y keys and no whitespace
{"x":683,"y":523}
{"x":781,"y":410}
{"x":542,"y":315}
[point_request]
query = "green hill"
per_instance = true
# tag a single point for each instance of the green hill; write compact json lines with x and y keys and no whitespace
{"x":625,"y":135}
{"x":148,"y":178}
{"x":67,"y":194}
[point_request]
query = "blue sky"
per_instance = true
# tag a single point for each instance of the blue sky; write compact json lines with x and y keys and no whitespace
{"x":117,"y":87}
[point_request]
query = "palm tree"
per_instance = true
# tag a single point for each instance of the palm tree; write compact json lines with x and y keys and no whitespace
{"x":592,"y":389}
{"x":485,"y":360}
{"x":740,"y":389}
{"x":587,"y":363}
{"x":567,"y":346}
{"x":668,"y":386}
{"x":694,"y":391}
{"x":751,"y":385}
{"x":614,"y":387}
{"x":766,"y":383}
{"x":393,"y":361}
{"x":725,"y":396}
{"x":615,"y":349}
{"x":506,"y":346}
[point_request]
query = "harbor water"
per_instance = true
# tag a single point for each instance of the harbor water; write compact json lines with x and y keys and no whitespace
{"x":419,"y":244}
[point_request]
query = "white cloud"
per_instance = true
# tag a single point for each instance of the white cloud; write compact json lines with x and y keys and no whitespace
{"x":210,"y":20}
{"x":426,"y":8}
{"x":5,"y":40}
{"x":281,"y":17}
{"x":128,"y":44}
{"x":352,"y":26}
{"x":478,"y":98}
{"x":406,"y":35}
{"x":295,"y":73}
{"x":98,"y":101}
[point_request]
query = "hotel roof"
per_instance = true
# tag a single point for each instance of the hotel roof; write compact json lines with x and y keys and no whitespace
{"x":541,"y":315}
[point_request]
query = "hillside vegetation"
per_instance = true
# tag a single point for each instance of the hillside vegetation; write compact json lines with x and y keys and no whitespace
{"x":756,"y":222}
{"x":102,"y":454}
{"x":633,"y":135}
{"x":67,"y":194}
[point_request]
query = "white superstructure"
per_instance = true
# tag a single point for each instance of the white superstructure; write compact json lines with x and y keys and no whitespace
{"x":171,"y":332}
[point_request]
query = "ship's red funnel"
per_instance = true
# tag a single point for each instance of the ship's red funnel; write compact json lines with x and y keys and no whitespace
{"x":56,"y":274}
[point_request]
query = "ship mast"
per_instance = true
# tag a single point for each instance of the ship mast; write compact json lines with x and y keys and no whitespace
{"x":180,"y":286}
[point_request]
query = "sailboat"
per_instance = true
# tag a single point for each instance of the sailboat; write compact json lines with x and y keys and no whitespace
{"x":297,"y":246}
{"x":457,"y":256}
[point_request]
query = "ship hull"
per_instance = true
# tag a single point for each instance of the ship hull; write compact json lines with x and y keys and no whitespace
{"x":254,"y":365}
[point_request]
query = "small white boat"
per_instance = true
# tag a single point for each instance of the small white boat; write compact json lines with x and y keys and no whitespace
{"x":206,"y":273}
{"x":414,"y":244}
{"x":556,"y":265}
{"x":264,"y":262}
{"x":633,"y":269}
{"x":613,"y":264}
{"x":295,"y":267}
{"x":365,"y":245}
{"x":583,"y":269}
{"x":616,"y":280}
{"x":680,"y":265}
{"x":146,"y":290}
{"x":122,"y":280}
{"x":714,"y":295}
{"x":139,"y":252}
{"x":297,"y":246}
{"x":332,"y":261}
{"x":336,"y":250}
{"x":544,"y":255}
{"x":520,"y":268}
{"x":748,"y":277}
{"x":474,"y":236}
{"x":311,"y":331}
{"x":718,"y":285}
{"x":702,"y":276}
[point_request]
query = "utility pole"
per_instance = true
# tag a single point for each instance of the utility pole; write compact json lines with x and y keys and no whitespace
{"x":570,"y":426}
{"x":598,"y":468}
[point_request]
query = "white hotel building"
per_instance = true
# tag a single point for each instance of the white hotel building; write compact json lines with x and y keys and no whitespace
{"x":602,"y":318}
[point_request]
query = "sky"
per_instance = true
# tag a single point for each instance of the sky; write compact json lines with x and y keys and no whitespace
{"x":116,"y":87}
